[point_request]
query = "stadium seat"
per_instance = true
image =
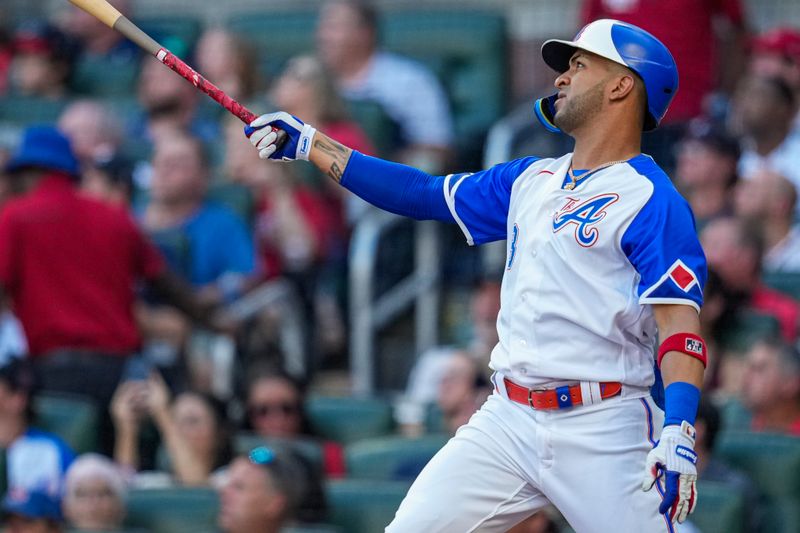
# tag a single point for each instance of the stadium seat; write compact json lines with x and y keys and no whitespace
{"x":177,"y":33}
{"x":172,"y":510}
{"x":102,"y":77}
{"x":773,"y":462}
{"x":391,"y":458}
{"x":720,"y":509}
{"x":380,"y":129}
{"x":276,"y":35}
{"x":785,"y":282}
{"x":74,"y":418}
{"x":311,"y":528}
{"x":346,"y":420}
{"x":22,"y":110}
{"x":746,"y":328}
{"x":467,"y":50}
{"x":363,"y":506}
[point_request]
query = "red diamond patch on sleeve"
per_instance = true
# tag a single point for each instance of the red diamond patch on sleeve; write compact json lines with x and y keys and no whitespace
{"x":681,"y":276}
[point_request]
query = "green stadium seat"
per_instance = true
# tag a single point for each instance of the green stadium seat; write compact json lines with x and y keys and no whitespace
{"x":785,"y":282}
{"x":363,"y":506}
{"x":773,"y":462}
{"x":25,"y":110}
{"x":468,"y":51}
{"x":377,"y":125}
{"x":346,"y":420}
{"x":177,"y":33}
{"x":747,"y":328}
{"x":74,"y":418}
{"x":734,"y":415}
{"x":172,"y":510}
{"x":720,"y":509}
{"x":97,"y":76}
{"x":391,"y":458}
{"x":311,"y":528}
{"x":276,"y":35}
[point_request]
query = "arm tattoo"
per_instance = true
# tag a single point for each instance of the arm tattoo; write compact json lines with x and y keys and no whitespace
{"x":339,"y":155}
{"x":335,"y":172}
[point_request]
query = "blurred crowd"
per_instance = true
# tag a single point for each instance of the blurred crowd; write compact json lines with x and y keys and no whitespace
{"x":132,"y":228}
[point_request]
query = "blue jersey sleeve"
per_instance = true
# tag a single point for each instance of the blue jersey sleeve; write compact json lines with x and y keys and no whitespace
{"x":662,"y":244}
{"x":479,"y":202}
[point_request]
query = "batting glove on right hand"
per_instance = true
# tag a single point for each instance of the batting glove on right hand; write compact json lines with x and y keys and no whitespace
{"x":296,"y":144}
{"x":674,"y":459}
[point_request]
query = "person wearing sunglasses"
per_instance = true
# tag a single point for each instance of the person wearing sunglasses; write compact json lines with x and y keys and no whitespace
{"x":275,"y":411}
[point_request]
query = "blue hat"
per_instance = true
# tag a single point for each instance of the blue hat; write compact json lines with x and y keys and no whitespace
{"x":44,"y":147}
{"x":32,"y":504}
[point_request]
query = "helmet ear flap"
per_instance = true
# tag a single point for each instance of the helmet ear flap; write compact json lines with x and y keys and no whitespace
{"x":545,"y":111}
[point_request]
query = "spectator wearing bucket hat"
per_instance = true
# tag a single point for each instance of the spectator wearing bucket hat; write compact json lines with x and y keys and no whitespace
{"x":70,"y":265}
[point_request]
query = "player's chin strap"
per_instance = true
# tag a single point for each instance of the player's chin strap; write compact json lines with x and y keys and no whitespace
{"x":545,"y":111}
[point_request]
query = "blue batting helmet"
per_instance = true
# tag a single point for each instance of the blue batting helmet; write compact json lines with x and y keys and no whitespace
{"x":627,"y":45}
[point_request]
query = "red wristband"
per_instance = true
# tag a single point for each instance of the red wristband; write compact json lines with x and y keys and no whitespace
{"x":688,"y":343}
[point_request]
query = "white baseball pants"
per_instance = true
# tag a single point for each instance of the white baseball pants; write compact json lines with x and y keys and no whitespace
{"x":510,"y":460}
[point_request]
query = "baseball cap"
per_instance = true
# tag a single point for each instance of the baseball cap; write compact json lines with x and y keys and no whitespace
{"x":31,"y":504}
{"x":38,"y":37}
{"x":784,"y":41}
{"x":44,"y":147}
{"x":18,"y":374}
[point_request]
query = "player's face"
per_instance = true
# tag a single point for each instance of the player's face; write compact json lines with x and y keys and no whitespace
{"x":581,"y":91}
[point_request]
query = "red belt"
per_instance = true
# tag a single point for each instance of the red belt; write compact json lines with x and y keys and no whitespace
{"x":558,"y":398}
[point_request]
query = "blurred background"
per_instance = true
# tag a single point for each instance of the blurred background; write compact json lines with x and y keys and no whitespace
{"x":217,"y":306}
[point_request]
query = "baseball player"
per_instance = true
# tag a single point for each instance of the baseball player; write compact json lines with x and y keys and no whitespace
{"x":603,"y":267}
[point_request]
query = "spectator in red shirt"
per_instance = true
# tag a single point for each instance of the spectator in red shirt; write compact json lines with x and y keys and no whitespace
{"x":689,"y":29}
{"x":70,"y":265}
{"x":771,"y":387}
{"x":734,"y":250}
{"x":707,"y":39}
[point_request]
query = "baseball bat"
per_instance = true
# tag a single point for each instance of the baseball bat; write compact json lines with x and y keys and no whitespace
{"x":112,"y":18}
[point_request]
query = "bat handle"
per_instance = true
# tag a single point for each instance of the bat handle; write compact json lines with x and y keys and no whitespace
{"x":187,"y":72}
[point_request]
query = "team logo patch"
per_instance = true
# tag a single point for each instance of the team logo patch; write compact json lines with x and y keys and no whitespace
{"x":694,"y":346}
{"x":513,"y":248}
{"x":682,"y":276}
{"x":584,"y":215}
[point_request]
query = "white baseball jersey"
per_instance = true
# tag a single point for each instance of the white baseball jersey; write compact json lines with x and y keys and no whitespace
{"x":583,"y":265}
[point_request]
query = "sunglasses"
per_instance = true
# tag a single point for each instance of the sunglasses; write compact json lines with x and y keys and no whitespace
{"x":266,"y":409}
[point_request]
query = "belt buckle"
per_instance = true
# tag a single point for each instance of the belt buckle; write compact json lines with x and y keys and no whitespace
{"x":530,"y":398}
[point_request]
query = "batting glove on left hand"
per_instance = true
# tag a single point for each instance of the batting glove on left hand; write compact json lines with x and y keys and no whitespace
{"x":674,"y":459}
{"x":271,"y":145}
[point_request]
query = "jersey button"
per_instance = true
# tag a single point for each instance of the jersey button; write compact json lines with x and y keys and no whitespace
{"x":533,"y":253}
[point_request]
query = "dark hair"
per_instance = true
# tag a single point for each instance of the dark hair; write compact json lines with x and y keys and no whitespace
{"x":296,"y":479}
{"x":788,"y":354}
{"x":260,"y":372}
{"x":19,"y":376}
{"x":366,"y":12}
{"x":219,"y":411}
{"x":781,"y":88}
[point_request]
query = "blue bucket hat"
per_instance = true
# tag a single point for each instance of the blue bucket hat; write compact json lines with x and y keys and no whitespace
{"x":44,"y":147}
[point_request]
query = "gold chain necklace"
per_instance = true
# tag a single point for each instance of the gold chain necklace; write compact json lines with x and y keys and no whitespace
{"x":570,"y":186}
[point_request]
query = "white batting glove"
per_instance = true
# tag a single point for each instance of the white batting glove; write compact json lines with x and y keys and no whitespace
{"x":674,"y":459}
{"x":296,"y":144}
